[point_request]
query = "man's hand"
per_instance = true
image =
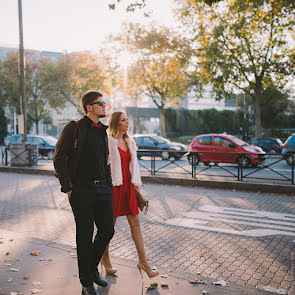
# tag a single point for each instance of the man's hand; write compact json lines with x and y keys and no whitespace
{"x":69,"y":193}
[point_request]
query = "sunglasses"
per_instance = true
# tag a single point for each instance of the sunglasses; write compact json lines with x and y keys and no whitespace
{"x":100,"y":102}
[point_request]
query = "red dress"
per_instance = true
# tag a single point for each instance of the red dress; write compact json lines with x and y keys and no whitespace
{"x":124,"y":200}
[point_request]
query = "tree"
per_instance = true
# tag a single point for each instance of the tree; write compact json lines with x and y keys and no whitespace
{"x":239,"y":44}
{"x":85,"y":71}
{"x":45,"y":81}
{"x":160,"y":66}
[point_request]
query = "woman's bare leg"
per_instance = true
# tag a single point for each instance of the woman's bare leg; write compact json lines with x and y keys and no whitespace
{"x":134,"y":224}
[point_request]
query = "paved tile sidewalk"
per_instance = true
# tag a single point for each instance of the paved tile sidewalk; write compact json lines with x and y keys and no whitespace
{"x":53,"y":271}
{"x":33,"y":206}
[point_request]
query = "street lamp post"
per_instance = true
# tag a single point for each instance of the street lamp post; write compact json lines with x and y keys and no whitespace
{"x":22,"y":72}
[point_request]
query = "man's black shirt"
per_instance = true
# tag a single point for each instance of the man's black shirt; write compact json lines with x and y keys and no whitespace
{"x":92,"y":161}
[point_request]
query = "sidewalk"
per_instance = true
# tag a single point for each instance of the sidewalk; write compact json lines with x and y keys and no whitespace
{"x":52,"y":270}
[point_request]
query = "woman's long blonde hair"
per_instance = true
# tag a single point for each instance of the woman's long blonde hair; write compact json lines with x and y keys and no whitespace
{"x":114,"y":124}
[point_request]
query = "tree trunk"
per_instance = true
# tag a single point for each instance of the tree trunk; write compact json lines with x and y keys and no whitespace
{"x":258,"y":91}
{"x":37,"y":126}
{"x":162,"y":121}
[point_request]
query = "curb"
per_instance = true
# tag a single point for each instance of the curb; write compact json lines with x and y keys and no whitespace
{"x":228,"y":185}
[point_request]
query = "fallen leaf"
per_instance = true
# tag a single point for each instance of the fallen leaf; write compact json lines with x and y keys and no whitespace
{"x":202,"y":254}
{"x":13,"y":269}
{"x":42,"y":259}
{"x":220,"y":283}
{"x":152,"y":286}
{"x":7,"y":253}
{"x":11,"y":240}
{"x":198,"y":272}
{"x":26,"y":277}
{"x":205,"y":292}
{"x":164,"y":276}
{"x":169,"y":270}
{"x":8,"y":264}
{"x":18,"y":259}
{"x":37,"y":283}
{"x":164,"y":285}
{"x":50,"y":259}
{"x":7,"y":260}
{"x":36,"y":253}
{"x":1,"y":242}
{"x":35,"y":291}
{"x":196,"y":281}
{"x":9,"y":280}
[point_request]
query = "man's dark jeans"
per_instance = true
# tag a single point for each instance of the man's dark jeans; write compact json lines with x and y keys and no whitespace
{"x":89,"y":206}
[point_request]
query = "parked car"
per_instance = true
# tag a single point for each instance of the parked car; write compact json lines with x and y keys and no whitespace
{"x":269,"y":145}
{"x":221,"y":146}
{"x":46,"y":143}
{"x":154,"y":142}
{"x":15,"y":138}
{"x":289,"y":149}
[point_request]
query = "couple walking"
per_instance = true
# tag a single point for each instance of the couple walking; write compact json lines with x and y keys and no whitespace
{"x":100,"y":173}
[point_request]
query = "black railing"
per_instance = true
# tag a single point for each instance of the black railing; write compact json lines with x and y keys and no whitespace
{"x":230,"y":159}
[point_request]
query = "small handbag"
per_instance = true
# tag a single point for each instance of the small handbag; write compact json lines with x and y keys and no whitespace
{"x":142,"y":202}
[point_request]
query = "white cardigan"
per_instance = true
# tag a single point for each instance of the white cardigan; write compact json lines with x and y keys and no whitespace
{"x":115,"y":161}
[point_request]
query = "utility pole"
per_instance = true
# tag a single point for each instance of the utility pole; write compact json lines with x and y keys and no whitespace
{"x":22,"y":71}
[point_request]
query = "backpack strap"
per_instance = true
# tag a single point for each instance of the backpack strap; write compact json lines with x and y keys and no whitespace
{"x":77,"y":130}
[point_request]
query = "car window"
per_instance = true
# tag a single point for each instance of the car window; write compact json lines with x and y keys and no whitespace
{"x":292,"y":140}
{"x":206,"y":140}
{"x":161,"y":139}
{"x":30,"y":139}
{"x":50,"y":140}
{"x":254,"y":142}
{"x":237,"y":140}
{"x":220,"y":141}
{"x":36,"y":140}
{"x":148,"y":141}
{"x":138,"y":140}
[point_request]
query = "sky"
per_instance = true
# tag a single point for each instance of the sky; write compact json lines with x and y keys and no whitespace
{"x":71,"y":25}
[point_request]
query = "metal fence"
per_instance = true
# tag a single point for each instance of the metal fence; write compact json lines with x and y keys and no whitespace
{"x":230,"y":160}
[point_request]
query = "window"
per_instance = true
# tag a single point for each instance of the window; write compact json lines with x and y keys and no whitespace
{"x":206,"y":140}
{"x":220,"y":141}
{"x":149,"y":141}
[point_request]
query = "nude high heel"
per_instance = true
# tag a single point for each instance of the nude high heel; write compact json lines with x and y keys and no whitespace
{"x":109,"y":270}
{"x":150,"y":273}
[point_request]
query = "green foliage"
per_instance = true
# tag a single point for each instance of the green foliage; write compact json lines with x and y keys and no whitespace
{"x":3,"y":126}
{"x":239,"y":44}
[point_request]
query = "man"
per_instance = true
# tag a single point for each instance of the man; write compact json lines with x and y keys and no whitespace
{"x":80,"y":162}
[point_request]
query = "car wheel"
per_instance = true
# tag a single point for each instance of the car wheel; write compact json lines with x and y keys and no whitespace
{"x":190,"y":159}
{"x":165,"y":156}
{"x":50,"y":155}
{"x":289,"y":159}
{"x":243,"y":161}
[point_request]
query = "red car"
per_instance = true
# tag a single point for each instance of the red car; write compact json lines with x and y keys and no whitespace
{"x":224,"y":148}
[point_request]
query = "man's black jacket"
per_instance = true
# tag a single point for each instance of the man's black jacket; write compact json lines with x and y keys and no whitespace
{"x":67,"y":154}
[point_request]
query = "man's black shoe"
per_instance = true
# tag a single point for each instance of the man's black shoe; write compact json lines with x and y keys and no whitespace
{"x":89,"y":290}
{"x":99,"y":280}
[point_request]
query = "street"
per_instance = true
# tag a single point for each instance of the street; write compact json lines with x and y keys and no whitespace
{"x":241,"y":237}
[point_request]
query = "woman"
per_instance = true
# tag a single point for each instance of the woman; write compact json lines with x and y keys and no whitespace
{"x":125,"y":175}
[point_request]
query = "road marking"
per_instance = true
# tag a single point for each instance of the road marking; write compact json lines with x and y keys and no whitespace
{"x":265,"y":223}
